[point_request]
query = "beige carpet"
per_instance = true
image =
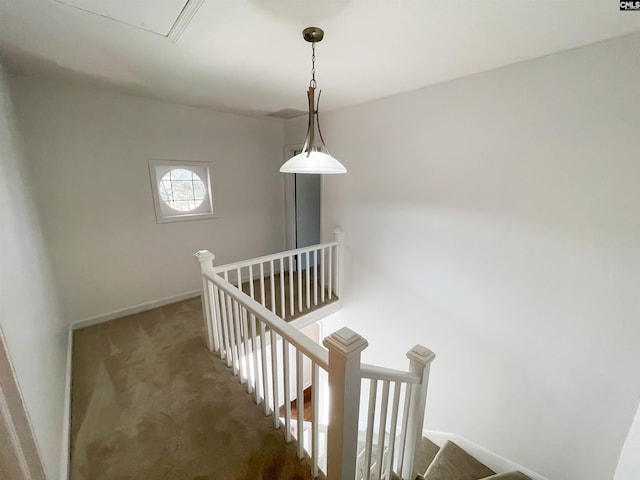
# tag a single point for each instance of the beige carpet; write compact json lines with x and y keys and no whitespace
{"x":453,"y":463}
{"x":315,"y":296}
{"x":150,"y":402}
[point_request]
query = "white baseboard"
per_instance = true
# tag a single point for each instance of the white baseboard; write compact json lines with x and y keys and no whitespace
{"x":105,"y":317}
{"x":491,"y":459}
{"x":316,"y":315}
{"x":66,"y":419}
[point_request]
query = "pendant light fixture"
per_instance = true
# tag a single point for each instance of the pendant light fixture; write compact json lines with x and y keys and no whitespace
{"x":313,"y":158}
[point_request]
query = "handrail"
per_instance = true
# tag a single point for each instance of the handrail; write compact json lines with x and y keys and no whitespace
{"x":277,"y":362}
{"x":292,"y":282}
{"x":374,"y":372}
{"x":273,"y":256}
{"x":291,"y":334}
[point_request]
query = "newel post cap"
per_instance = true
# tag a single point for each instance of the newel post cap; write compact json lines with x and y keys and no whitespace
{"x":204,"y":256}
{"x":345,"y":342}
{"x":421,"y":355}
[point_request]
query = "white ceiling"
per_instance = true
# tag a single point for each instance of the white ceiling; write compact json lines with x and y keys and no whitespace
{"x":151,"y":15}
{"x":248,"y":56}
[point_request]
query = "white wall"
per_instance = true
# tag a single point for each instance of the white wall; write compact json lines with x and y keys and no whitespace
{"x":629,"y":463}
{"x":494,"y":219}
{"x":35,"y":335}
{"x":88,"y":150}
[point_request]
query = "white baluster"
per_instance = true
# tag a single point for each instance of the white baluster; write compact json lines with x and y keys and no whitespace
{"x":300,"y":400}
{"x":273,"y":287}
{"x":254,"y":354}
{"x":345,"y":347}
{"x":315,"y":390}
{"x":322,"y":267}
{"x":222,"y":350}
{"x":251,"y":292}
{"x":291,"y":292}
{"x":239,"y":344}
{"x":287,"y":389}
{"x":339,"y":237}
{"x":403,"y":428}
{"x":308,"y":285}
{"x":392,"y":433}
{"x":315,"y":277}
{"x":262,"y":299}
{"x":373,"y":389}
{"x":243,"y":332}
{"x":211,"y":321}
{"x":274,"y":378}
{"x":225,"y":327}
{"x":299,"y":273}
{"x":330,"y":263}
{"x":232,"y":335}
{"x":265,"y":375}
{"x":382,"y":426}
{"x":283,"y":311}
{"x":254,"y":346}
{"x":245,"y":358}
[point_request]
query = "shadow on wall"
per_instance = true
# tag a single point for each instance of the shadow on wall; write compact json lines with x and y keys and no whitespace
{"x":32,"y":327}
{"x":513,"y":311}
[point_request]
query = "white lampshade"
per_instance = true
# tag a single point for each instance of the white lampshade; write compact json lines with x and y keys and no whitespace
{"x":316,"y":162}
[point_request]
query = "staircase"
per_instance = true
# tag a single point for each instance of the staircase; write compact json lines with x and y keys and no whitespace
{"x":362,"y":421}
{"x":453,"y":463}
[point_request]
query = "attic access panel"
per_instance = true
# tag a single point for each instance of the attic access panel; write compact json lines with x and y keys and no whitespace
{"x":157,"y":16}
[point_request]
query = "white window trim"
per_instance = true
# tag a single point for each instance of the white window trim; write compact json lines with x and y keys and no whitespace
{"x":208,"y":202}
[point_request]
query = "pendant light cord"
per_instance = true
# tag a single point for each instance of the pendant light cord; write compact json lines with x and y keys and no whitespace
{"x":312,"y":83}
{"x":313,"y":159}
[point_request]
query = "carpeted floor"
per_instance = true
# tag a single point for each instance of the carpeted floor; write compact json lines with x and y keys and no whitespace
{"x":315,"y":294}
{"x":150,"y":402}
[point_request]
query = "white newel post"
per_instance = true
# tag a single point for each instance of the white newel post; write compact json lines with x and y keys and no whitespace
{"x":420,"y":359}
{"x":205,"y":257}
{"x":338,"y":236}
{"x":344,"y":348}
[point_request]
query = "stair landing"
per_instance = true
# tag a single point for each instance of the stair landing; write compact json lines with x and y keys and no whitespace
{"x":150,"y":401}
{"x":303,"y":304}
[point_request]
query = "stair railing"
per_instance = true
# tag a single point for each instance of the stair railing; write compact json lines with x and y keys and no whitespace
{"x":271,"y":357}
{"x":401,"y":432}
{"x":268,"y":355}
{"x":293,"y":282}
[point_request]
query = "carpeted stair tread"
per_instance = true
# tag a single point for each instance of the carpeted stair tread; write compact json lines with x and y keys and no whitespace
{"x":453,"y":463}
{"x":427,"y":451}
{"x":508,"y":476}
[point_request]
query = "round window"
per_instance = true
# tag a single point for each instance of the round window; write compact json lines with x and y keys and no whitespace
{"x":182,"y":190}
